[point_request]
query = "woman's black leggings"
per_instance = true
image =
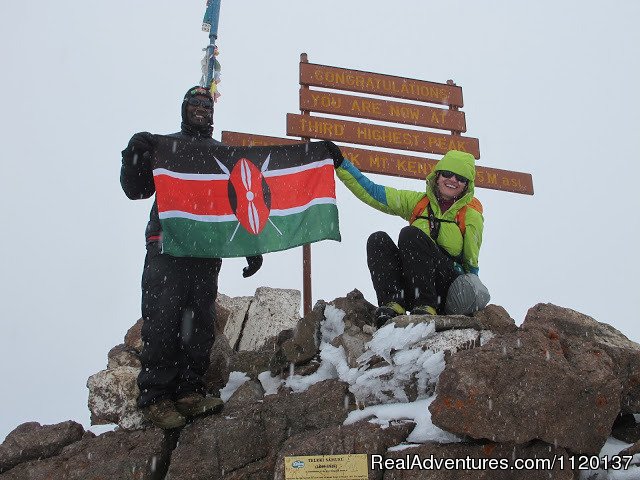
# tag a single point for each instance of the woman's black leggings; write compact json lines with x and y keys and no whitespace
{"x":414,"y":273}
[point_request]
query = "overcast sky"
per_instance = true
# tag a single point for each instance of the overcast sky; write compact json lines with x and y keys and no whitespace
{"x":550,"y":87}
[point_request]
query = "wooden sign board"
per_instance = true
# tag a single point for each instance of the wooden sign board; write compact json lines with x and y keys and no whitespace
{"x":377,"y":84}
{"x":378,"y":109}
{"x":398,"y":165}
{"x":378,"y":135}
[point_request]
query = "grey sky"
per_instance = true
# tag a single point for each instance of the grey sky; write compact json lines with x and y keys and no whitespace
{"x":550,"y":88}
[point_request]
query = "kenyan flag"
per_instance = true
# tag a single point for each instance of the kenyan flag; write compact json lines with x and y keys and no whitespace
{"x":219,"y":201}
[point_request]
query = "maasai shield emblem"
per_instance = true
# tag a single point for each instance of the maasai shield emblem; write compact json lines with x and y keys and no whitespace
{"x":249,"y":196}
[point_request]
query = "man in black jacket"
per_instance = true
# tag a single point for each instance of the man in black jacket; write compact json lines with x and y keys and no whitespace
{"x":178,"y":293}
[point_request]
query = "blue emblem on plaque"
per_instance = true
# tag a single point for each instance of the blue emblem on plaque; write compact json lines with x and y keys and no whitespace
{"x":298,"y":464}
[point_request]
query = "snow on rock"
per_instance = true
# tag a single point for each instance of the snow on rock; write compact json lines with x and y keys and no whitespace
{"x":236,"y":379}
{"x":333,"y":324}
{"x":417,"y":412}
{"x":612,"y":448}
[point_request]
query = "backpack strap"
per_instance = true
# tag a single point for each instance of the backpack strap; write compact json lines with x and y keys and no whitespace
{"x":461,"y":215}
{"x":419,"y":208}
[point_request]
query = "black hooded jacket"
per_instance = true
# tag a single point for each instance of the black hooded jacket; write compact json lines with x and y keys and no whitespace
{"x":136,"y":177}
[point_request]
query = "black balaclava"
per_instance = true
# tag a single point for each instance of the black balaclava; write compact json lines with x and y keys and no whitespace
{"x":186,"y":127}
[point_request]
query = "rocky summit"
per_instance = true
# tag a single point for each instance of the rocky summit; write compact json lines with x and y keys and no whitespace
{"x":425,"y":397}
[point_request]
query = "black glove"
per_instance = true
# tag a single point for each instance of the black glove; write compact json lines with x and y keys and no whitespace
{"x":335,"y":153}
{"x":254,"y":264}
{"x":140,"y":147}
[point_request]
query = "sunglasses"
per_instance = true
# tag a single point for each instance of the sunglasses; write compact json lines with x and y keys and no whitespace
{"x":197,"y":102}
{"x":448,"y":174}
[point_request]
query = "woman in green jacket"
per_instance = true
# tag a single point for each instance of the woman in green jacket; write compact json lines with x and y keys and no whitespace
{"x":441,"y":243}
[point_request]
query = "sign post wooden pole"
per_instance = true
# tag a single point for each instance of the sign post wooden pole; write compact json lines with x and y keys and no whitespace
{"x":307,"y":298}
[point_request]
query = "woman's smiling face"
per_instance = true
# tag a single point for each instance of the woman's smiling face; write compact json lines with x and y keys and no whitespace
{"x":450,"y":188}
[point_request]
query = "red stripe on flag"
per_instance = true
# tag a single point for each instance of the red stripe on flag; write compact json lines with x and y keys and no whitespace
{"x":192,"y":196}
{"x":211,"y":197}
{"x":296,"y":189}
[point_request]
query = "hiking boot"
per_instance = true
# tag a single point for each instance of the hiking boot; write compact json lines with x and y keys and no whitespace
{"x":424,"y":310}
{"x":164,"y":415}
{"x":386,"y":312}
{"x":196,"y":404}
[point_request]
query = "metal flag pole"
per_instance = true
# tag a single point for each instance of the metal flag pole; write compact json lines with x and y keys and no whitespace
{"x":210,"y":24}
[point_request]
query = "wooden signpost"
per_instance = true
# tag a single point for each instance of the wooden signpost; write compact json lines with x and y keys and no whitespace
{"x":412,"y":135}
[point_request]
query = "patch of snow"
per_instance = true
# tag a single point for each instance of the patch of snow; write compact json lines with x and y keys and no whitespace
{"x":299,"y":383}
{"x":270,"y":384}
{"x":389,"y":338}
{"x":236,"y":379}
{"x":612,"y":447}
{"x":332,"y":325}
{"x":417,"y":411}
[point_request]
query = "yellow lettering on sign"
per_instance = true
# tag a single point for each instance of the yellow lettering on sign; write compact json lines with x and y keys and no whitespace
{"x":366,"y":106}
{"x":438,"y":117}
{"x":511,"y":182}
{"x":402,"y":165}
{"x":456,"y":145}
{"x":321,"y":128}
{"x":435,"y":142}
{"x":406,"y":113}
{"x":492,"y":178}
{"x":326,"y":101}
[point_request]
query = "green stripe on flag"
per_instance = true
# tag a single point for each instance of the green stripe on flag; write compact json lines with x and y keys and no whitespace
{"x":183,"y":237}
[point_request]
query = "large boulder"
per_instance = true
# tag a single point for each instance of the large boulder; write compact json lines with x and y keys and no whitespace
{"x":137,"y":455}
{"x":576,"y":330}
{"x":112,"y":398}
{"x":538,"y":383}
{"x":271,"y":311}
{"x":31,"y":441}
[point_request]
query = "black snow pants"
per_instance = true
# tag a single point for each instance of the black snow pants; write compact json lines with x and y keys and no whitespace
{"x":178,"y":308}
{"x":415,"y":273}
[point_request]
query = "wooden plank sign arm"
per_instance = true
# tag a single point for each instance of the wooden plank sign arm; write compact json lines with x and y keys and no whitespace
{"x":408,"y":166}
{"x":374,"y":83}
{"x":378,"y":109}
{"x":379,"y":136}
{"x":399,"y":165}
